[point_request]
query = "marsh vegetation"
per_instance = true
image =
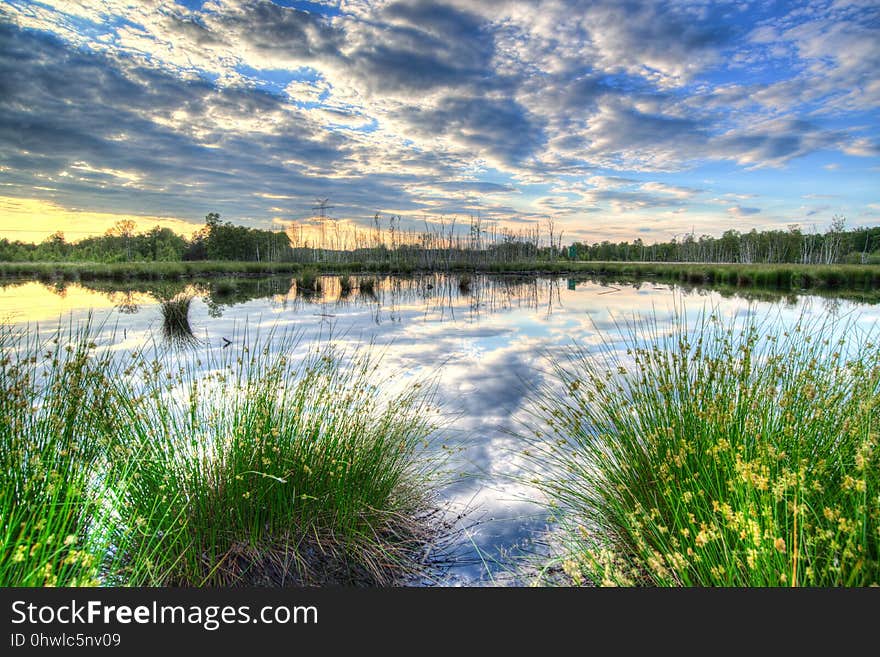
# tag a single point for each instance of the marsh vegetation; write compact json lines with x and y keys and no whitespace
{"x":176,"y":327}
{"x":733,"y":448}
{"x":721,"y":453}
{"x":261,"y":469}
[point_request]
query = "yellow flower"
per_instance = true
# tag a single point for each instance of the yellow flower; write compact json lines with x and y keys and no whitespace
{"x":779,"y":544}
{"x":751,"y":557}
{"x":571,"y":568}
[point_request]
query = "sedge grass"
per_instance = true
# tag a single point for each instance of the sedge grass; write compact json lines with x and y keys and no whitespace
{"x":57,"y":420}
{"x":170,"y":467}
{"x":346,"y":285}
{"x":176,"y":327}
{"x":272,"y":471}
{"x":727,"y":453}
{"x":308,"y":282}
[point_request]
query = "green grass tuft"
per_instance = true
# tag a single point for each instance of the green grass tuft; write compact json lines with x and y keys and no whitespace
{"x":176,"y":327}
{"x":308,"y":282}
{"x":271,"y":471}
{"x":725,"y":453}
{"x":57,"y":425}
{"x":225,"y":467}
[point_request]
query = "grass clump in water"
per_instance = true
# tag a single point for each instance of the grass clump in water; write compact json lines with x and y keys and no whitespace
{"x":176,"y":327}
{"x":225,"y":287}
{"x":269,"y":471}
{"x":367,"y":286}
{"x":717,"y":454}
{"x":308,"y":282}
{"x":346,"y":285}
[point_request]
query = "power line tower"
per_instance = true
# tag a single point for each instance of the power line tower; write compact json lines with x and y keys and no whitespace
{"x":321,"y":208}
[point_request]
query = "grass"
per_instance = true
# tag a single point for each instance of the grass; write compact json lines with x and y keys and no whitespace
{"x":146,"y":271}
{"x":464,"y":284}
{"x":778,"y":276}
{"x":725,"y":453}
{"x":308,"y":282}
{"x":175,"y":320}
{"x":291,"y":473}
{"x":367,"y":286}
{"x":225,"y":287}
{"x":217,"y":467}
{"x":346,"y":285}
{"x":768,"y":276}
{"x":57,"y":421}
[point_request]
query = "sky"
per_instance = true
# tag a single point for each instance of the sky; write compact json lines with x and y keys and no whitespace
{"x":615,"y":119}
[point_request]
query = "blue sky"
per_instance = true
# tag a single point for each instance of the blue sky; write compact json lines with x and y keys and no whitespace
{"x":615,"y":119}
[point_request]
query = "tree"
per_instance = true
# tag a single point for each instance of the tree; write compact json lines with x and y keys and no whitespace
{"x":124,"y":229}
{"x":56,"y":246}
{"x":831,"y":247}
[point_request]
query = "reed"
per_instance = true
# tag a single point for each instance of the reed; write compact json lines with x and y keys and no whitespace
{"x":308,"y":282}
{"x":210,"y":467}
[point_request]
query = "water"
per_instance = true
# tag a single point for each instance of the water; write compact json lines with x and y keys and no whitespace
{"x":485,"y":342}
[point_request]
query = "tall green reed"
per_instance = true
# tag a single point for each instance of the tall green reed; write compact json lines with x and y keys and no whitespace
{"x":207,"y":467}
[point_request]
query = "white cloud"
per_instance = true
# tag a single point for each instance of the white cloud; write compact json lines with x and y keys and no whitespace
{"x":399,"y":99}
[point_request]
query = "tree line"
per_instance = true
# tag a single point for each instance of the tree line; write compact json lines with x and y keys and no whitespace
{"x":834,"y":246}
{"x":216,"y":240}
{"x":442,"y":244}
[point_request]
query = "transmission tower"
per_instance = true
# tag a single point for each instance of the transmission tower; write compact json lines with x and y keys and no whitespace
{"x":322,"y":207}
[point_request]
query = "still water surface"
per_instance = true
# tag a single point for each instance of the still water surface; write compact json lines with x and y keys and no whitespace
{"x":484,"y":342}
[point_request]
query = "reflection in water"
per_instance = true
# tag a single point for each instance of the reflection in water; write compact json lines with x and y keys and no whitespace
{"x":442,"y":296}
{"x":484,"y":340}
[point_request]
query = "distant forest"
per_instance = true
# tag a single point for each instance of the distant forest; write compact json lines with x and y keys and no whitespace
{"x":836,"y":245}
{"x":444,"y":243}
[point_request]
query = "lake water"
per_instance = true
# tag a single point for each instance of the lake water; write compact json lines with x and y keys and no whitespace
{"x":485,"y":342}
